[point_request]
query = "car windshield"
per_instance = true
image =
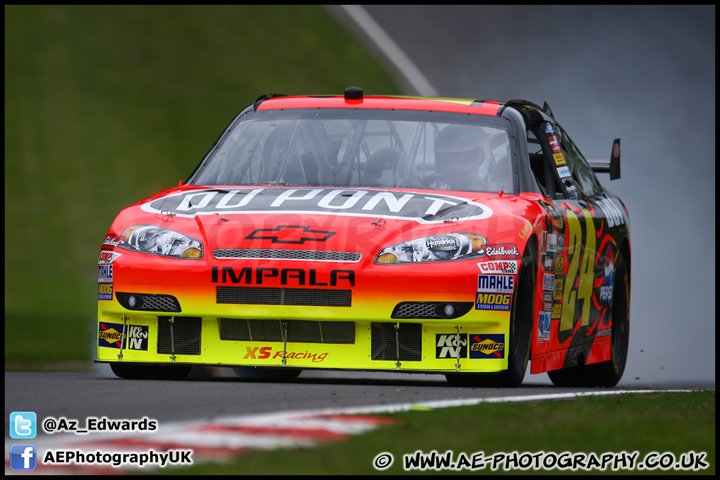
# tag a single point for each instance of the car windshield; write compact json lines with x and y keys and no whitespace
{"x":362,"y":148}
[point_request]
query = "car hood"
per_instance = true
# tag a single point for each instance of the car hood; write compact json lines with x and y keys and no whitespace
{"x":362,"y":220}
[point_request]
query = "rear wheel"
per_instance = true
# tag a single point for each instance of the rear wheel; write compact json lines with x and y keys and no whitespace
{"x":609,"y":373}
{"x":521,"y":323}
{"x":149,"y":372}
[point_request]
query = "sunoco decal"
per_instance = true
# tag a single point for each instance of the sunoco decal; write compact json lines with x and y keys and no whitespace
{"x":110,"y":335}
{"x":487,"y":346}
{"x":420,"y":207}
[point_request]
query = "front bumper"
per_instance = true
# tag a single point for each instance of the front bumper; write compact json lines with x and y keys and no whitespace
{"x":381,"y":318}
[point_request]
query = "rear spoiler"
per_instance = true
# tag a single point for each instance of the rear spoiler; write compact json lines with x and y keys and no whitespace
{"x":611,"y":166}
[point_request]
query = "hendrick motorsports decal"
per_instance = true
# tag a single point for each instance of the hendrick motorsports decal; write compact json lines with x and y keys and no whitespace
{"x":420,"y":207}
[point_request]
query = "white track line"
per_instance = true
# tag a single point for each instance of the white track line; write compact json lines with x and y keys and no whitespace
{"x":386,"y":44}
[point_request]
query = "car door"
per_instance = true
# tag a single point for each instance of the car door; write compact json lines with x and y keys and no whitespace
{"x":578,"y":250}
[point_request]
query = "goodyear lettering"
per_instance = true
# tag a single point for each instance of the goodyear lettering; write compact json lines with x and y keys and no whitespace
{"x":287,"y":276}
{"x":422,"y":208}
{"x":525,"y":230}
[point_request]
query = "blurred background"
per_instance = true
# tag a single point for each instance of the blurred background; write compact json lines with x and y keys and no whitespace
{"x":105,"y":105}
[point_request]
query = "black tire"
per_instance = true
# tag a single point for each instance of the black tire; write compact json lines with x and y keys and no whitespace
{"x":149,"y":372}
{"x":519,"y":343}
{"x":609,"y":373}
{"x":268,"y":373}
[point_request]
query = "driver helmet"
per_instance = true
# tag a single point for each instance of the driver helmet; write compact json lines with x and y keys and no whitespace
{"x":459,"y":147}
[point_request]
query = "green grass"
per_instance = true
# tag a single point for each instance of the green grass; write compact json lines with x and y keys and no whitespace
{"x":677,"y":423}
{"x":105,"y":105}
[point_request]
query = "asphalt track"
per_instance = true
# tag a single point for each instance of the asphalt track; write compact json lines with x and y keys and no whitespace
{"x":212,"y":394}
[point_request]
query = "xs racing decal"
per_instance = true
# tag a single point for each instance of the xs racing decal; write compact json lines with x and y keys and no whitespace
{"x":420,"y":207}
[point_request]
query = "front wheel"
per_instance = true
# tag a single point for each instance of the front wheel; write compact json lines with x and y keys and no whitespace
{"x":609,"y":373}
{"x":521,"y":323}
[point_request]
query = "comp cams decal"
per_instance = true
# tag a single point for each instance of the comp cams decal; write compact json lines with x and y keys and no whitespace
{"x":420,"y":207}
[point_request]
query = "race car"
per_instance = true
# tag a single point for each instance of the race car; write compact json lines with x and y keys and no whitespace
{"x":461,"y":237}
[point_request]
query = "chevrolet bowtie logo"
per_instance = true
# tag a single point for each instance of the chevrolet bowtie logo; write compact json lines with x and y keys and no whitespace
{"x":295,"y":235}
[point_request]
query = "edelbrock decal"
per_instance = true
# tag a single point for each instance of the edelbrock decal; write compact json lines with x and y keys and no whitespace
{"x":420,"y":207}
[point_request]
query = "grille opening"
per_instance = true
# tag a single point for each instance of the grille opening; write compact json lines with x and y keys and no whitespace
{"x":279,"y":254}
{"x":186,"y":335}
{"x":148,"y":302}
{"x":308,"y":297}
{"x":298,"y":331}
{"x":431,"y":309}
{"x":383,"y":344}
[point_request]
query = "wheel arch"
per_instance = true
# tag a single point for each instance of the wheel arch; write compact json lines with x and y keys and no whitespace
{"x":626,"y":255}
{"x":533,"y":245}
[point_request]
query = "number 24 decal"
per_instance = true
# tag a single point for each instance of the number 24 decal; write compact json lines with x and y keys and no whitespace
{"x":581,"y":264}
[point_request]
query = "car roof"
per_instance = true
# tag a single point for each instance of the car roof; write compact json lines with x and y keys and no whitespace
{"x":481,"y":107}
{"x":530,"y":111}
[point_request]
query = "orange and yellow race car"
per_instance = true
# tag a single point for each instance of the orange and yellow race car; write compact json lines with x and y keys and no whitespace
{"x":394,"y":234}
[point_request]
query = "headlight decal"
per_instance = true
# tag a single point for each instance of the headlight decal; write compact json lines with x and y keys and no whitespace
{"x":160,"y":241}
{"x":435,"y":248}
